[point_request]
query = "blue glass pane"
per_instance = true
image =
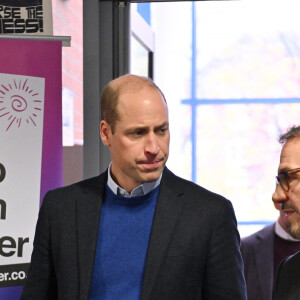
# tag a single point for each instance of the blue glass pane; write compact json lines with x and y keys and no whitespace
{"x":144,"y":10}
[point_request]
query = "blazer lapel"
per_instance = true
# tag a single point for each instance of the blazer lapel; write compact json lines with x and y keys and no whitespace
{"x":168,"y":208}
{"x":265,"y":248}
{"x":88,"y":215}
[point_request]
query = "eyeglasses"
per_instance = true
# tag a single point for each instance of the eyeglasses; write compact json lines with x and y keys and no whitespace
{"x":284,"y":176}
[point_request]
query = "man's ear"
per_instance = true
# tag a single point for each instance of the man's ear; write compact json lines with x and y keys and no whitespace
{"x":105,"y":133}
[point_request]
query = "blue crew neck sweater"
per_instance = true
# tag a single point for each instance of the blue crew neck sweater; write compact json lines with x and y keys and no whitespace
{"x":123,"y":237}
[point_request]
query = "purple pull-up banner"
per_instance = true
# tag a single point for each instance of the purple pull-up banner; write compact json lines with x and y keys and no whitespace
{"x":30,"y":149}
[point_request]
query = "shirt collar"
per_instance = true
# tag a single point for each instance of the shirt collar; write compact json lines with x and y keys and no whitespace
{"x":141,"y":190}
{"x":283,"y":234}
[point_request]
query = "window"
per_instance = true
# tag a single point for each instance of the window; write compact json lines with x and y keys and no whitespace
{"x":230,"y":71}
{"x":67,"y":21}
{"x":142,"y":42}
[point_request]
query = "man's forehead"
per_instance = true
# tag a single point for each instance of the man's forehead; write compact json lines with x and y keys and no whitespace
{"x":134,"y":97}
{"x":290,"y":154}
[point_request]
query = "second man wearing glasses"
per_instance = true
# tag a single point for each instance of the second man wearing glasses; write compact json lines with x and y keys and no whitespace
{"x":264,"y":250}
{"x":286,"y":198}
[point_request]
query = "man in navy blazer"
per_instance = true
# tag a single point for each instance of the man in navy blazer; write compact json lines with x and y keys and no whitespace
{"x":137,"y":231}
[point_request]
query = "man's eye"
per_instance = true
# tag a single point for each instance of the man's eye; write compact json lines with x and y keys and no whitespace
{"x":282,"y":174}
{"x":137,"y":133}
{"x":163,"y":130}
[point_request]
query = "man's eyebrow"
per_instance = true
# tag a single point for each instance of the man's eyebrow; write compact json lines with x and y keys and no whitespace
{"x":137,"y":127}
{"x":142,"y":127}
{"x":285,"y":169}
{"x":163,"y":125}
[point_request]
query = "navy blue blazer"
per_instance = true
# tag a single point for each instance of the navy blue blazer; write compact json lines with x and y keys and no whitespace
{"x":193,"y":253}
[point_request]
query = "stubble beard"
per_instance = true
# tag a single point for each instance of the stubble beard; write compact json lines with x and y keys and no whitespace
{"x":294,"y":228}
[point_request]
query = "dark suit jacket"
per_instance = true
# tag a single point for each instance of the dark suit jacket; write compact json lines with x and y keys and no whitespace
{"x":287,"y":285}
{"x":258,"y":254}
{"x":193,"y":251}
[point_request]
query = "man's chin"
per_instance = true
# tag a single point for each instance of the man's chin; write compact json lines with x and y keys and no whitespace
{"x":151,"y":175}
{"x":295,"y":234}
{"x":294,"y":230}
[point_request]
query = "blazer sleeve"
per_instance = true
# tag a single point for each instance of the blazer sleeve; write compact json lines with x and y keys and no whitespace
{"x":287,"y":281}
{"x":41,"y":281}
{"x":224,"y":278}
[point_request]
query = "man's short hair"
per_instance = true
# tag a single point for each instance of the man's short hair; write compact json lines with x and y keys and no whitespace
{"x":112,"y":91}
{"x":292,"y":131}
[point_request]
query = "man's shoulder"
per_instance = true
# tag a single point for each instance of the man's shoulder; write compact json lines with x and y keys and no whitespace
{"x":288,"y":276}
{"x":266,"y":232}
{"x":90,"y":186}
{"x":194,"y":191}
{"x":293,"y":262}
{"x":287,"y":281}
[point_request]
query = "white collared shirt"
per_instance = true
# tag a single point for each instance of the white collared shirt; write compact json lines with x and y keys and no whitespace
{"x":141,"y":190}
{"x":283,"y":234}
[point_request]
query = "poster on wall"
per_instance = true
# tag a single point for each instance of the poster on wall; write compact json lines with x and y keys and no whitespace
{"x":21,"y":136}
{"x":30,"y":149}
{"x":30,"y":17}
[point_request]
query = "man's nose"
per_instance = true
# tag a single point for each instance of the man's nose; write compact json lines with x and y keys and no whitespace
{"x":152,"y":146}
{"x":279,"y":196}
